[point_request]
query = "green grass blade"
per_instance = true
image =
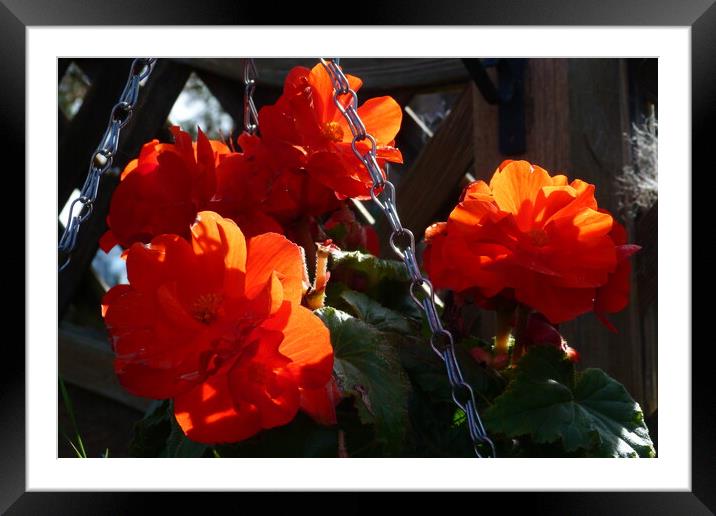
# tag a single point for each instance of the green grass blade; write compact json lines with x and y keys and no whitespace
{"x":70,"y":411}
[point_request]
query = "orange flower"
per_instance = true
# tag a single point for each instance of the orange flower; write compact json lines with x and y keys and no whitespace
{"x":216,"y":324}
{"x":534,"y":237}
{"x":306,"y":116}
{"x":270,"y":180}
{"x":164,"y":189}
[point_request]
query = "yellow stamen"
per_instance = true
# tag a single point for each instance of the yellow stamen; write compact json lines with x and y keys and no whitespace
{"x":206,"y":307}
{"x":539,"y":237}
{"x":332,"y":131}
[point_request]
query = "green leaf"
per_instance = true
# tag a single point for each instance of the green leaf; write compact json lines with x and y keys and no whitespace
{"x":386,"y":281}
{"x":159,"y":435}
{"x":547,"y":401}
{"x":375,"y":269}
{"x":302,"y":437}
{"x":179,"y":445}
{"x":150,"y":433}
{"x":368,"y":367}
{"x":374,"y":313}
{"x":459,"y":418}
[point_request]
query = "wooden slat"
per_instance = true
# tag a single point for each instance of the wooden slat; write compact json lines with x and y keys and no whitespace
{"x":377,"y":73}
{"x":646,"y":273}
{"x":646,"y":234}
{"x":62,"y":124}
{"x":435,"y":176}
{"x":85,"y":359}
{"x":547,"y":114}
{"x":598,"y":120}
{"x":412,"y":137}
{"x":649,"y":330}
{"x":85,"y":130}
{"x":155,"y":102}
{"x":546,"y":121}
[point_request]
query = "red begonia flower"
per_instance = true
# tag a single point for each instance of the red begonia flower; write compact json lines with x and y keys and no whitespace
{"x":306,"y":116}
{"x":215,"y":323}
{"x":273,"y":179}
{"x":163,"y":189}
{"x":537,"y":236}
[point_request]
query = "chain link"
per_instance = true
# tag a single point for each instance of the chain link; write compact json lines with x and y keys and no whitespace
{"x":251,"y":115}
{"x":402,"y":241}
{"x":103,"y":156}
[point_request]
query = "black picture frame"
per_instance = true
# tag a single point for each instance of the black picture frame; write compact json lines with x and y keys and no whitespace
{"x":700,"y":15}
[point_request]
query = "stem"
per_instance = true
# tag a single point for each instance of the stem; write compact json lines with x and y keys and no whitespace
{"x":317,"y":294}
{"x":300,"y":232}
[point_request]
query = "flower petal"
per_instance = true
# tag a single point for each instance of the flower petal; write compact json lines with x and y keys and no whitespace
{"x":516,"y":187}
{"x":340,"y":175}
{"x":322,"y":87}
{"x":220,"y":247}
{"x":208,"y":413}
{"x":273,"y":253}
{"x":307,"y":343}
{"x":259,"y":377}
{"x":382,"y":117}
{"x":321,"y":403}
{"x":166,"y":258}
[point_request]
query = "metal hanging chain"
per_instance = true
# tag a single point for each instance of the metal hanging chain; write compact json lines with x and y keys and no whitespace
{"x":251,"y":115}
{"x":402,"y":242}
{"x":103,"y":156}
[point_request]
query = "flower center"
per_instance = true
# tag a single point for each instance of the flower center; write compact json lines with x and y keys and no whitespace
{"x":332,"y":131}
{"x":539,"y":237}
{"x":206,"y":307}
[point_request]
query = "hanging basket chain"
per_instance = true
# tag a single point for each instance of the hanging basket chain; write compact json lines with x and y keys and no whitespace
{"x":103,"y":157}
{"x":402,"y":241}
{"x":251,"y":115}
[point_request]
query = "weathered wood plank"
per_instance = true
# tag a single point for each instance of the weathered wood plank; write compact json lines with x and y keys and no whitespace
{"x":647,"y":263}
{"x":86,"y":128}
{"x":435,"y":176}
{"x":547,"y":114}
{"x":546,"y":121}
{"x":377,"y":73}
{"x":649,"y":330}
{"x":62,"y":124}
{"x":85,"y":359}
{"x":598,"y":120}
{"x":156,"y":100}
{"x":646,"y":273}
